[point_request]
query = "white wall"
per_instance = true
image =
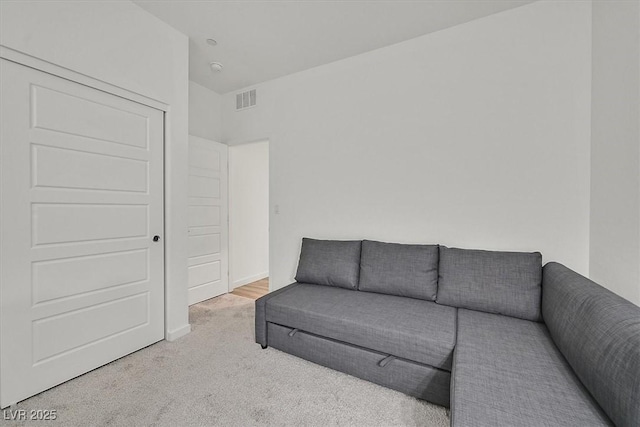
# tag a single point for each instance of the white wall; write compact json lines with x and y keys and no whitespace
{"x":121,"y":44}
{"x":248,"y":213}
{"x":615,"y":156}
{"x":474,"y":136}
{"x":205,"y":114}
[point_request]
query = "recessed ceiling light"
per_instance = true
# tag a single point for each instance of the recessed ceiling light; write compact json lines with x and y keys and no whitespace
{"x":212,"y":42}
{"x":216,"y":66}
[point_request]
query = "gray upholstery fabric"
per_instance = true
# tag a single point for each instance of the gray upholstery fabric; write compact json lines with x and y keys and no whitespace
{"x":412,"y":329}
{"x":414,"y":379}
{"x":330,"y":263}
{"x":506,"y":283}
{"x":598,"y":332}
{"x":508,"y":372}
{"x":396,"y":269}
{"x":260,"y":319}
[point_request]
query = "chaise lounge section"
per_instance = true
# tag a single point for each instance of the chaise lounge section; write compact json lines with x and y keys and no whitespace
{"x":509,"y":372}
{"x":493,"y":335}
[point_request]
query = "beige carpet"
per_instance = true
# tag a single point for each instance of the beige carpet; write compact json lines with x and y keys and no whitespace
{"x":217,"y":375}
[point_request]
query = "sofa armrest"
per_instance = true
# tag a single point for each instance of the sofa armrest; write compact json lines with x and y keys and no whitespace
{"x":598,"y":332}
{"x":261,"y":313}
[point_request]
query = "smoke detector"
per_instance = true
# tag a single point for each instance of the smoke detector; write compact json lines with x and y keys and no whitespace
{"x":216,"y":67}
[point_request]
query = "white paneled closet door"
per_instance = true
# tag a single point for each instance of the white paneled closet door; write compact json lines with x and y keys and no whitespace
{"x":208,"y":225}
{"x":82,"y":279}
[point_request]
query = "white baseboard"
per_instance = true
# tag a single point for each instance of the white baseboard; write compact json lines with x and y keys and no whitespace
{"x":247,"y":280}
{"x":178,"y":333}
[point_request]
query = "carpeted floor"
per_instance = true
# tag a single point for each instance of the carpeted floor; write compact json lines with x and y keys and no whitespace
{"x":217,"y":375}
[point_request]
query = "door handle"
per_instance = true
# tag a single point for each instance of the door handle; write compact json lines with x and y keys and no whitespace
{"x":156,"y":238}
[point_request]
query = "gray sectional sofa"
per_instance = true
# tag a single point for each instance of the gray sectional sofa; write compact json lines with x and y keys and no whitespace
{"x":495,"y":336}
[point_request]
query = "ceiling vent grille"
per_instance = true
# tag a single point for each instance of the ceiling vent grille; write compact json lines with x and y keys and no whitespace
{"x":246,"y":99}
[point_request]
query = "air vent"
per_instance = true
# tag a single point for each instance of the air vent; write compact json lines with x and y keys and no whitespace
{"x":246,"y":99}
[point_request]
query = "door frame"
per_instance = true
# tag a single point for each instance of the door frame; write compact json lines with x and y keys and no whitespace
{"x":38,"y":64}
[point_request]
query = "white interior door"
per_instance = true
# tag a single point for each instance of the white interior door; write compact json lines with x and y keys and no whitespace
{"x":208,"y":226}
{"x":81,"y":279}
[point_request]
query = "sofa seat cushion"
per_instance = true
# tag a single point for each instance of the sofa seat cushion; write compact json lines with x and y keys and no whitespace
{"x":412,"y":329}
{"x":508,"y":371}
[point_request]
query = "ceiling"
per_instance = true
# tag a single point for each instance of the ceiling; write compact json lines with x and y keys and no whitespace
{"x":263,"y":40}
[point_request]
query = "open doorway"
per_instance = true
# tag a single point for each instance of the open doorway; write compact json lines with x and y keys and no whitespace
{"x":249,"y":219}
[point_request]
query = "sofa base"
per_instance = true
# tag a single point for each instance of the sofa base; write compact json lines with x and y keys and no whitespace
{"x":415,"y":379}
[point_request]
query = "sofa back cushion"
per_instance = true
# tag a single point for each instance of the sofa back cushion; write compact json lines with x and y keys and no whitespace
{"x":598,"y":332}
{"x":507,"y":283}
{"x":397,"y":269}
{"x":330,"y":263}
